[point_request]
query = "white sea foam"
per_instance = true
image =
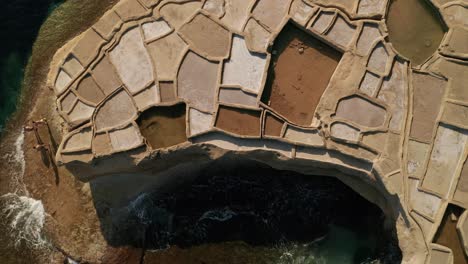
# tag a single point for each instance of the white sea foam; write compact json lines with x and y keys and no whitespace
{"x":141,"y":207}
{"x":17,"y":163}
{"x":24,"y":217}
{"x":219,"y":215}
{"x":19,"y":153}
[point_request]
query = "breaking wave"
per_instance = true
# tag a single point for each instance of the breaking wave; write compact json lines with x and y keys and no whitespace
{"x":22,"y":216}
{"x":24,"y":219}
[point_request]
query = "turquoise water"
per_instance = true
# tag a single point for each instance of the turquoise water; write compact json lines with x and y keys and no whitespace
{"x":20,"y":21}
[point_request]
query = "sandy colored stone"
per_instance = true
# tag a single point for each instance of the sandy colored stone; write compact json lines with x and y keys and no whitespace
{"x":150,"y":3}
{"x":445,"y":158}
{"x":425,"y":203}
{"x":89,"y":90}
{"x":457,"y":43}
{"x":238,"y":121}
{"x":455,"y":114}
{"x":146,"y":98}
{"x":132,"y":62}
{"x":215,"y":7}
{"x":207,"y":36}
{"x":102,"y":144}
{"x":426,"y":225}
{"x":428,"y":93}
{"x":378,"y":59}
{"x":176,"y":14}
{"x":301,"y":12}
{"x":256,"y":36}
{"x":345,"y":132}
{"x":273,"y":126}
{"x":303,"y":136}
{"x":82,"y":156}
{"x":126,"y":138}
{"x":68,"y":102}
{"x":347,"y":5}
{"x":80,"y":113}
{"x":105,"y":76}
{"x":228,"y":142}
{"x":197,"y":82}
{"x":199,"y":122}
{"x":458,"y":76}
{"x":461,"y":192}
{"x":394,"y":93}
{"x":417,"y":154}
{"x":323,"y":21}
{"x":375,"y":140}
{"x":371,"y":7}
{"x":390,"y":158}
{"x":155,"y":29}
{"x":361,"y":112}
{"x":130,"y":10}
{"x":87,"y":48}
{"x":316,"y":154}
{"x":80,"y":140}
{"x":271,"y":12}
{"x":438,"y":256}
{"x":167,"y":91}
{"x":244,"y":68}
{"x":237,"y":12}
{"x":116,"y":111}
{"x":237,"y":96}
{"x":370,"y":83}
{"x":456,"y":14}
{"x":166,"y":54}
{"x":62,"y":81}
{"x":108,"y":24}
{"x":369,"y":34}
{"x":72,"y":66}
{"x":341,"y":33}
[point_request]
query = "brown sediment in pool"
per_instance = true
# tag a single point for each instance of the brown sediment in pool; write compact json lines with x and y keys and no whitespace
{"x":239,"y":121}
{"x":448,"y":236}
{"x":163,"y":126}
{"x":300,"y":70}
{"x":167,"y":91}
{"x":416,"y":37}
{"x":273,"y":125}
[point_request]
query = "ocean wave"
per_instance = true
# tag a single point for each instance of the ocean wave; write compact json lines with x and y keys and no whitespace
{"x":218,"y":215}
{"x":24,"y":217}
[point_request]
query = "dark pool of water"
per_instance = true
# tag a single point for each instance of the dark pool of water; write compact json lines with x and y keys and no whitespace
{"x":255,"y":213}
{"x":20,"y":21}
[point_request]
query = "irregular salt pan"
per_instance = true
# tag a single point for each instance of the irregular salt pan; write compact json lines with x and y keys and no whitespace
{"x":243,"y":67}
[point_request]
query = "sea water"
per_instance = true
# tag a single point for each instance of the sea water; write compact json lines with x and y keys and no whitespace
{"x":20,"y":21}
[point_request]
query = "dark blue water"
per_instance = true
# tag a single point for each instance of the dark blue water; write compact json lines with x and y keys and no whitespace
{"x":20,"y":21}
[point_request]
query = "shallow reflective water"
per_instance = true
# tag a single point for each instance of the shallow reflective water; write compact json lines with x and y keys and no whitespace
{"x":414,"y":29}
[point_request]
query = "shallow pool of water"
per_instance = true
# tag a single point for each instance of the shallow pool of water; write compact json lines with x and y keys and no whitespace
{"x":414,"y":29}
